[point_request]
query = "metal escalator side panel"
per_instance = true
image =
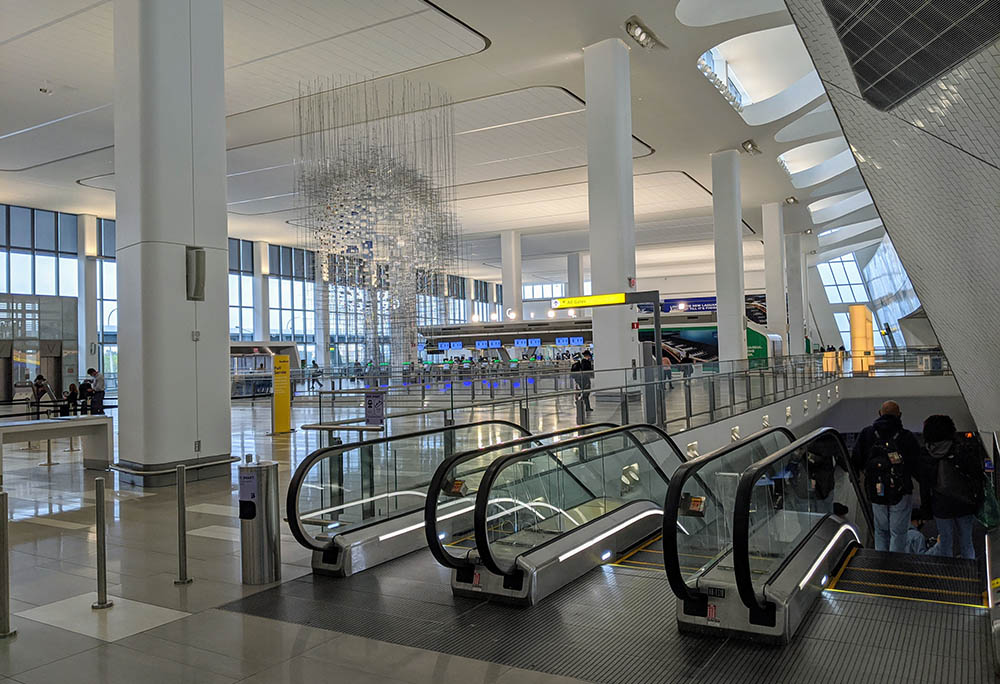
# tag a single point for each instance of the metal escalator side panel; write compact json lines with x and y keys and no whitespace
{"x":696,"y":512}
{"x":462,"y":505}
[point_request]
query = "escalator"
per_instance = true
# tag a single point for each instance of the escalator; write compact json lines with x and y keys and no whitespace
{"x":802,"y":530}
{"x":358,"y":505}
{"x":545,"y":516}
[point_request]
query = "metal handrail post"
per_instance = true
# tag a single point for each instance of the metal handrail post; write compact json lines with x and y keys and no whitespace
{"x":102,"y":551}
{"x":182,"y":561}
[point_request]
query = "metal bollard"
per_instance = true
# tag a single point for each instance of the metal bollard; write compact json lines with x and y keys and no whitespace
{"x":182,"y":560}
{"x":48,"y":455}
{"x":5,"y":630}
{"x":102,"y":551}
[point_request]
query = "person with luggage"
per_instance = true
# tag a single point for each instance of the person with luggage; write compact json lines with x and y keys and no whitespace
{"x":951,"y":487}
{"x":888,"y":456}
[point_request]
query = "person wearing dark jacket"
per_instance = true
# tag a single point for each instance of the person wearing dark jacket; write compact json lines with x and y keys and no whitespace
{"x":889,"y":457}
{"x":583,"y":373}
{"x":951,"y":485}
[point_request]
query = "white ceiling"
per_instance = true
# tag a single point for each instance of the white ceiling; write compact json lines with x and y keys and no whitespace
{"x":513,"y":68}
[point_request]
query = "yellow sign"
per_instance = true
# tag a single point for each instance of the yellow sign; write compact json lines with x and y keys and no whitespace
{"x":281,"y":397}
{"x":588,"y":301}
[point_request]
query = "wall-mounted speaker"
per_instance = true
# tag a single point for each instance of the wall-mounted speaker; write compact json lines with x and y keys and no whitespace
{"x":195,"y":270}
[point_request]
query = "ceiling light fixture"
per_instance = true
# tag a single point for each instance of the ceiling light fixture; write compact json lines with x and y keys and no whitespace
{"x":750,"y":147}
{"x":809,"y":231}
{"x":551,"y":313}
{"x":640,"y":33}
{"x":791,"y":199}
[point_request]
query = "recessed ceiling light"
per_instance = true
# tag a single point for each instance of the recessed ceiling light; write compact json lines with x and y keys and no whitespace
{"x":809,"y":231}
{"x":640,"y":33}
{"x":750,"y":147}
{"x":792,"y":199}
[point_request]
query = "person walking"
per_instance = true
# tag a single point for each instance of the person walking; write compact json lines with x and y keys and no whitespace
{"x":97,"y":399}
{"x":888,"y":454}
{"x":317,"y":373}
{"x":951,"y":487}
{"x":583,"y":372}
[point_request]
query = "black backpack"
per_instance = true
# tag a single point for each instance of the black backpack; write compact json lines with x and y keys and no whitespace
{"x":885,"y":474}
{"x":956,"y":485}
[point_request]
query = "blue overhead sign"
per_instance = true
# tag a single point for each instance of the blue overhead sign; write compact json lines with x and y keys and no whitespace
{"x":456,"y":345}
{"x":521,"y":342}
{"x":482,"y":344}
{"x":562,"y":341}
{"x":576,"y":341}
{"x":534,"y":341}
{"x":495,"y":344}
{"x":444,"y":346}
{"x":692,"y":304}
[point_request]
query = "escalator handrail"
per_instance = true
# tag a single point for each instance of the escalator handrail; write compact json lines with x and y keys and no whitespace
{"x":298,"y":477}
{"x":431,"y":502}
{"x":671,"y":506}
{"x":489,"y":478}
{"x":741,"y":512}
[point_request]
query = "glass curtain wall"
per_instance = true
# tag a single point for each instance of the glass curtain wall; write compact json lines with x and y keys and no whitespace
{"x":892,"y":292}
{"x":291,"y":295}
{"x":241,"y":304}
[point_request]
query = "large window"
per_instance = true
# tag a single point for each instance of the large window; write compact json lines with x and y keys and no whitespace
{"x":537,"y":291}
{"x":842,"y":280}
{"x":893,"y":296}
{"x":241,"y":290}
{"x":107,"y":295}
{"x":37,"y":252}
{"x":291,"y":295}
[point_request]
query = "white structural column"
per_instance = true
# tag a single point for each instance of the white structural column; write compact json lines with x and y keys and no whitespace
{"x":774,"y":271}
{"x":321,"y":300}
{"x":729,"y":291}
{"x":510,"y":263}
{"x":609,"y":182}
{"x":261,"y":298}
{"x":86,"y":302}
{"x":170,"y":166}
{"x":795,"y":262}
{"x":574,"y":274}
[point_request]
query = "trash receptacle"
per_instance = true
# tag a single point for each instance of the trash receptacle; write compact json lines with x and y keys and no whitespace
{"x":260,"y":535}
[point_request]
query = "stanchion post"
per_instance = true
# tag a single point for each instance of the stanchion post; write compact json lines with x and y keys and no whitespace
{"x":5,"y":630}
{"x":182,"y":561}
{"x":102,"y":551}
{"x":48,"y":455}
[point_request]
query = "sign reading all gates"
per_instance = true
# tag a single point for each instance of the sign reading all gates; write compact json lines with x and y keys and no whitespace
{"x":281,"y":396}
{"x":588,"y":301}
{"x":374,"y":408}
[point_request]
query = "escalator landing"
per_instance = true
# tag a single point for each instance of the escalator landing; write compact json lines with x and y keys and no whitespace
{"x":951,"y":581}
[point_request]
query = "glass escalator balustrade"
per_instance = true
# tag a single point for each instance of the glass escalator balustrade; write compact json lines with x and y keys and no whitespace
{"x":358,"y":485}
{"x":703,"y":531}
{"x":553,"y":491}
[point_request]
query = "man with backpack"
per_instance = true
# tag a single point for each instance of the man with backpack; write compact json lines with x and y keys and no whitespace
{"x":951,"y":486}
{"x":888,"y":455}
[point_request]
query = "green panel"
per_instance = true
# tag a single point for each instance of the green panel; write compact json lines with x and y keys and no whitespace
{"x":756,"y":345}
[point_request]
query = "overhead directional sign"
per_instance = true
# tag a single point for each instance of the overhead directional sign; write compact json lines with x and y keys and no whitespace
{"x":588,"y":301}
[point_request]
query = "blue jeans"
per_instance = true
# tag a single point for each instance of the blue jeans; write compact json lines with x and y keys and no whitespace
{"x":892,"y":524}
{"x":948,"y":529}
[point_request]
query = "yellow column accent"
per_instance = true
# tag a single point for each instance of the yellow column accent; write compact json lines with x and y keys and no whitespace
{"x":862,"y":339}
{"x":281,"y":398}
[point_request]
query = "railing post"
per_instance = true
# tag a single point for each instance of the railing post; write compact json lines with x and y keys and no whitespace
{"x":581,"y":416}
{"x":732,"y":394}
{"x":749,"y":386}
{"x":102,"y":550}
{"x":182,"y":561}
{"x":687,"y":403}
{"x":525,"y":421}
{"x":711,"y":399}
{"x":624,"y":404}
{"x":5,"y":630}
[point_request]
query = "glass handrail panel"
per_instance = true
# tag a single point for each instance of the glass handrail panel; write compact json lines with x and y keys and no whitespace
{"x":784,"y":497}
{"x":704,"y":531}
{"x":534,"y":500}
{"x":360,"y":484}
{"x":459,"y":485}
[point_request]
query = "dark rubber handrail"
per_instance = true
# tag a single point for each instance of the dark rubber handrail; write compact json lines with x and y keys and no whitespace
{"x":671,"y":559}
{"x":431,"y":503}
{"x":483,"y":495}
{"x":741,"y":515}
{"x":295,"y":485}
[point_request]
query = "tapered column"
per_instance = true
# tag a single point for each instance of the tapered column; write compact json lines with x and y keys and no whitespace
{"x":574,"y":274}
{"x":86,"y":302}
{"x":774,"y":271}
{"x":609,"y":182}
{"x":261,"y":298}
{"x":729,"y":291}
{"x":795,"y":268}
{"x":170,"y":170}
{"x":510,"y":262}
